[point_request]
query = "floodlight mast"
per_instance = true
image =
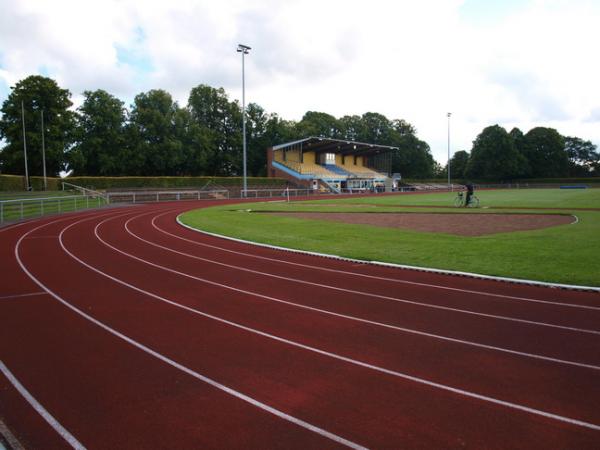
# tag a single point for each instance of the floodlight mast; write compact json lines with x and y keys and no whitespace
{"x":244,"y":50}
{"x":28,"y":187}
{"x":449,"y":185}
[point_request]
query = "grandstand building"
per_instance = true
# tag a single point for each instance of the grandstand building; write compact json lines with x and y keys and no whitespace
{"x":332,"y":164}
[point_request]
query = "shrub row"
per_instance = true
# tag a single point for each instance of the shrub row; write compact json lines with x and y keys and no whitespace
{"x":169,"y":182}
{"x":17,"y":182}
{"x":588,"y":180}
{"x":12,"y":183}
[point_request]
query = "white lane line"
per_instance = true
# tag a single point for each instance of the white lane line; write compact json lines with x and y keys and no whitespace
{"x":9,"y":438}
{"x":344,"y":272}
{"x":62,"y":431}
{"x":169,"y":361}
{"x":405,"y":376}
{"x":328,"y":312}
{"x":31,"y":294}
{"x":382,"y":297}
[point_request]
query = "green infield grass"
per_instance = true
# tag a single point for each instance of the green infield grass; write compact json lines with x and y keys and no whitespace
{"x":562,"y":254}
{"x":515,"y":198}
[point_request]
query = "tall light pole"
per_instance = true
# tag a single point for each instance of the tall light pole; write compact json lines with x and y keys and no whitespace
{"x":44,"y":153}
{"x":25,"y":146}
{"x":449,"y":185}
{"x":244,"y":49}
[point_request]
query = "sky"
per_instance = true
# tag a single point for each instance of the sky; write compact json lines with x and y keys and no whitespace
{"x":516,"y":63}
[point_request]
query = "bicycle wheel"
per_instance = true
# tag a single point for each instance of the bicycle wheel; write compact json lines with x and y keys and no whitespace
{"x":458,"y":201}
{"x":474,"y":203}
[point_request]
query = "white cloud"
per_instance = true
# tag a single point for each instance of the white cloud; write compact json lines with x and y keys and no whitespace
{"x":529,"y":66}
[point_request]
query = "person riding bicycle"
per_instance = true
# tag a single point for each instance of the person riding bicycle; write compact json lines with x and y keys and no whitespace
{"x":470,"y":190}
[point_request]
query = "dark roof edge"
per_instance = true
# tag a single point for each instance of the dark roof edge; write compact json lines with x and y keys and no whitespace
{"x":342,"y":141}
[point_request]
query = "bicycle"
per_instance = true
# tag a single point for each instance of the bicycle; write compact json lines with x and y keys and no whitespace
{"x":459,"y":201}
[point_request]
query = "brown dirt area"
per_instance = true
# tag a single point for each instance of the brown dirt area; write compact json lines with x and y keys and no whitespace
{"x":458,"y":224}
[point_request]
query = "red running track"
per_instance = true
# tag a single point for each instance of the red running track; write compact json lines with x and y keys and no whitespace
{"x":122,"y":329}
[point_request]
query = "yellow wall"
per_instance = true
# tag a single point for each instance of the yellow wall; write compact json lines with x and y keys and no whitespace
{"x":293,"y":155}
{"x":309,"y":157}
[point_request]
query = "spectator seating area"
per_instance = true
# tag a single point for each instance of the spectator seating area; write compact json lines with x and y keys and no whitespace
{"x":365,"y":172}
{"x":308,"y":169}
{"x":330,"y":170}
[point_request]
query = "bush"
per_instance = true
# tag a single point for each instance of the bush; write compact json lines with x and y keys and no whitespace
{"x":170,"y":182}
{"x":12,"y":183}
{"x":37,"y":183}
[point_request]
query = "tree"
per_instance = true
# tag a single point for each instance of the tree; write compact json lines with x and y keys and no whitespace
{"x":413,"y":158}
{"x":221,"y":121}
{"x":256,"y":128}
{"x":583,"y":156}
{"x":320,"y":124}
{"x":544,"y":149}
{"x":458,"y":164}
{"x":377,"y":128}
{"x":195,"y":141}
{"x":494,"y":156}
{"x":353,"y":128}
{"x":156,"y":147}
{"x":402,"y":127}
{"x":37,"y":94}
{"x":100,"y":136}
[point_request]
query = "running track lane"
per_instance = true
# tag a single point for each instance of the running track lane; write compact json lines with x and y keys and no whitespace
{"x":357,"y":403}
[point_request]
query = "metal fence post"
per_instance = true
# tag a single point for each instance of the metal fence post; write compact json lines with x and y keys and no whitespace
{"x":41,"y":207}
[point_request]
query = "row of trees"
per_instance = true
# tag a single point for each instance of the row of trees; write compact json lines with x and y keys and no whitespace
{"x":540,"y":153}
{"x":156,"y":136}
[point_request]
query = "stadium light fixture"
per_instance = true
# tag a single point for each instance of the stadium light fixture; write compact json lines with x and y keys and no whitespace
{"x":28,"y":187}
{"x":449,"y":185}
{"x":44,"y":153}
{"x":244,"y":50}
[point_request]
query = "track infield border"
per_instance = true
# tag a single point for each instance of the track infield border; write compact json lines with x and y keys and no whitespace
{"x":399,"y":266}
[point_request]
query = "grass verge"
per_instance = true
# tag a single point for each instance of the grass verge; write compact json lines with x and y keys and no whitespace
{"x":563,"y":254}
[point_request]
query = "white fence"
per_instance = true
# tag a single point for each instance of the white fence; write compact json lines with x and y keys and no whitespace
{"x":164,"y":196}
{"x":274,"y":193}
{"x":26,"y":208}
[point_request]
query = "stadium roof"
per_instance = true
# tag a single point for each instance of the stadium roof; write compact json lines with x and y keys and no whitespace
{"x":328,"y":145}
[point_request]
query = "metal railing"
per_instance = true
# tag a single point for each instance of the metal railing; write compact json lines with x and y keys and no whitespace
{"x":83,"y":190}
{"x":273,"y":193}
{"x":164,"y":196}
{"x":26,"y":208}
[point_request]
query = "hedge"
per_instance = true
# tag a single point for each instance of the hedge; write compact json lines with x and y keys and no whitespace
{"x":170,"y":182}
{"x":586,"y":180}
{"x":17,"y":183}
{"x":12,"y":183}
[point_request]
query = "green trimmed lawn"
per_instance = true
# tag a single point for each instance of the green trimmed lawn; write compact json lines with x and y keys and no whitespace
{"x":516,"y":198}
{"x":563,"y":254}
